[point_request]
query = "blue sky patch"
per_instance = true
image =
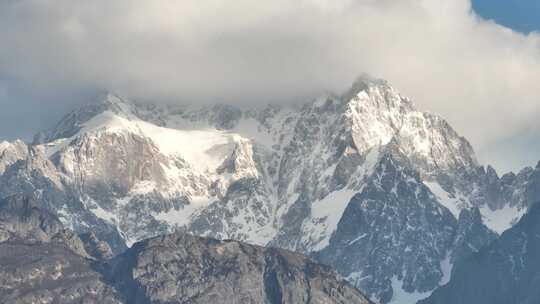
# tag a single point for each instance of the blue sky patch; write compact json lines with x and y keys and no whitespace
{"x":520,"y":15}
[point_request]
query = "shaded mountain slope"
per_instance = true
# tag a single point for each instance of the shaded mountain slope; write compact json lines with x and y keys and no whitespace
{"x":507,"y":271}
{"x":41,"y":262}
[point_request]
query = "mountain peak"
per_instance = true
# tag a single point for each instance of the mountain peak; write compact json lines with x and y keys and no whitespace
{"x":366,"y":80}
{"x":111,"y":101}
{"x":370,"y":92}
{"x":72,"y":123}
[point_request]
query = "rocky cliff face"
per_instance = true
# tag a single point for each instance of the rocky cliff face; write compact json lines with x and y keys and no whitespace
{"x":395,"y":215}
{"x":50,"y":273}
{"x":312,"y":179}
{"x":506,"y":271}
{"x":10,"y":153}
{"x":41,"y":262}
{"x":180,"y":268}
{"x":394,"y":234}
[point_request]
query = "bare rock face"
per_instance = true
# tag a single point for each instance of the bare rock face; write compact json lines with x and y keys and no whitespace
{"x":21,"y":218}
{"x":41,"y":262}
{"x":95,"y":247}
{"x":396,"y":216}
{"x":110,"y":164}
{"x":11,"y":153}
{"x":181,"y":268}
{"x":50,"y":273}
{"x":506,"y":271}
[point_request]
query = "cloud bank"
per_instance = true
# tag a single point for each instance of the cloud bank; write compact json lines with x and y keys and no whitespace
{"x":480,"y":76}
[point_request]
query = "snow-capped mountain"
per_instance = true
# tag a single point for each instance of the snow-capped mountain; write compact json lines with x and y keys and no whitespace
{"x":388,"y":195}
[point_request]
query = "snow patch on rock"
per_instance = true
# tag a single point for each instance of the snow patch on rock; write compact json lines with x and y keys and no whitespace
{"x":501,"y":219}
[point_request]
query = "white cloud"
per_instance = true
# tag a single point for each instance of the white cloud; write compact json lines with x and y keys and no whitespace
{"x":480,"y":76}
